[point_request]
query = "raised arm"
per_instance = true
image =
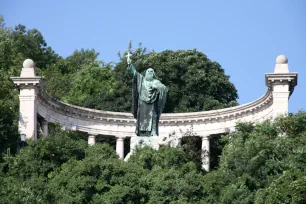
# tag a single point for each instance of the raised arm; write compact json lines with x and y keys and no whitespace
{"x":132,"y":69}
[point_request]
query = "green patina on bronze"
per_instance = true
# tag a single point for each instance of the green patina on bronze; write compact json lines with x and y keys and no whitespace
{"x":149,"y":98}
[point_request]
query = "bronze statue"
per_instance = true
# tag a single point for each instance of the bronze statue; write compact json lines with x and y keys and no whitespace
{"x":149,"y":98}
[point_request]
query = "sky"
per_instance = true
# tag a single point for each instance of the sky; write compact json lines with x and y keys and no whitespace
{"x":245,"y":37}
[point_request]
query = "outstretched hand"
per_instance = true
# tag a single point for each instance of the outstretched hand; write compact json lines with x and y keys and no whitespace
{"x":128,"y":60}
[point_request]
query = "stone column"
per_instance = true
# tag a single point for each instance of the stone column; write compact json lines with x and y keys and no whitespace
{"x":205,"y":154}
{"x":280,"y":99}
{"x":120,"y":147}
{"x":28,"y":112}
{"x":91,"y":140}
{"x":282,"y":84}
{"x":28,"y":84}
{"x":44,"y":127}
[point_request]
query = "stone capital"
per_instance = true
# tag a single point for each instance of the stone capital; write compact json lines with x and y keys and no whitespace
{"x":205,"y":137}
{"x":120,"y":137}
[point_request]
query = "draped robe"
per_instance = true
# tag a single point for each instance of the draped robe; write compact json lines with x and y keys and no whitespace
{"x":147,"y":107}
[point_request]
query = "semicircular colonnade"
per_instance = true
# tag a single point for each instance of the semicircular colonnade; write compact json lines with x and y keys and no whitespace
{"x":34,"y":101}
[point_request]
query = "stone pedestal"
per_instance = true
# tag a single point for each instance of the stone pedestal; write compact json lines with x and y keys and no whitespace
{"x":144,"y":141}
{"x":140,"y":142}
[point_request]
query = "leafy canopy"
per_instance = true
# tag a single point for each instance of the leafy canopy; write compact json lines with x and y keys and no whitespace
{"x":263,"y":163}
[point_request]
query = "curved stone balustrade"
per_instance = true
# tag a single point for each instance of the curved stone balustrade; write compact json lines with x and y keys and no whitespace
{"x":123,"y":124}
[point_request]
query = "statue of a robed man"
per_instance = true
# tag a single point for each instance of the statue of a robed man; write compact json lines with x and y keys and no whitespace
{"x":149,"y":98}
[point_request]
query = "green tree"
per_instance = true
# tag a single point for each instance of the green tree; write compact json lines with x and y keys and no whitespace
{"x":78,"y":181}
{"x":32,"y":45}
{"x":264,"y":163}
{"x":8,"y":115}
{"x":80,"y":79}
{"x":195,"y":83}
{"x":25,"y":175}
{"x":149,"y":177}
{"x":89,"y":83}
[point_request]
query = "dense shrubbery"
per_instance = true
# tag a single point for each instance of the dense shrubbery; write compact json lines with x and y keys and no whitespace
{"x":262,"y":163}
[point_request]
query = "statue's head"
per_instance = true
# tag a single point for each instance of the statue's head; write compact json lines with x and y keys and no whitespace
{"x":171,"y":133}
{"x":150,"y":74}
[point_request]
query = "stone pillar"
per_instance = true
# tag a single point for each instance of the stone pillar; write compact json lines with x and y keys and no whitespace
{"x":44,"y":127}
{"x":280,"y":99}
{"x":28,"y":112}
{"x":91,"y":140}
{"x":28,"y":84}
{"x":120,"y":147}
{"x":205,"y":154}
{"x":282,"y":84}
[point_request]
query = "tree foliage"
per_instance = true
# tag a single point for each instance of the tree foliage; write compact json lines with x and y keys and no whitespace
{"x":26,"y":174}
{"x":195,"y":83}
{"x":262,"y":163}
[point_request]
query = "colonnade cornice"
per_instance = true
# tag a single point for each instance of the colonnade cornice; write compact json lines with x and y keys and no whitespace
{"x":167,"y":118}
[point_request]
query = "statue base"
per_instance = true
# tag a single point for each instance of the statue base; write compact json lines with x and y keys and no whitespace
{"x":140,"y":142}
